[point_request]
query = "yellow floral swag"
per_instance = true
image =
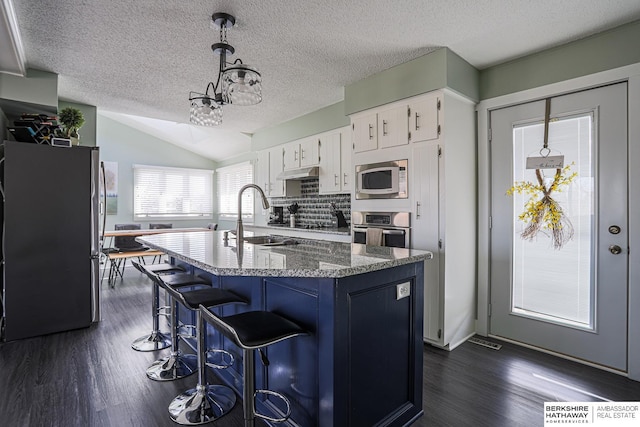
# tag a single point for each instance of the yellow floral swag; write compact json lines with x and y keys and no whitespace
{"x":543,"y":212}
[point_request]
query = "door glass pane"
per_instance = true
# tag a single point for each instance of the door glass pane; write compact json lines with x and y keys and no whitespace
{"x":556,"y":285}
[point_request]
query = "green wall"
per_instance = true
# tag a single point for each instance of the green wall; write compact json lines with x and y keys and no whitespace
{"x":38,"y":87}
{"x":603,"y":51}
{"x":436,"y":70}
{"x":128,"y":146}
{"x":324,"y":119}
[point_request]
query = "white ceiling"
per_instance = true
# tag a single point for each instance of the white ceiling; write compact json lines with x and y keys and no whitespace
{"x":141,"y":58}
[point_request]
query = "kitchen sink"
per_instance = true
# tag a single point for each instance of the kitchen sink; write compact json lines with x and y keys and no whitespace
{"x":269,"y":241}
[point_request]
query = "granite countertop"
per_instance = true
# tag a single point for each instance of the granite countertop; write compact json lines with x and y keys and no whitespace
{"x":308,"y":258}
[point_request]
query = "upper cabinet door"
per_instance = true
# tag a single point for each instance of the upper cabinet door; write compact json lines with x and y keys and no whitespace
{"x":292,"y":155}
{"x":424,"y":118}
{"x":393,"y":127}
{"x":346,"y":168}
{"x":276,"y":166}
{"x":329,"y":179}
{"x":365,"y":133}
{"x":310,"y":151}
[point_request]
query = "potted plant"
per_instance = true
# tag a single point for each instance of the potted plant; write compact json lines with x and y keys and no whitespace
{"x":71,"y":119}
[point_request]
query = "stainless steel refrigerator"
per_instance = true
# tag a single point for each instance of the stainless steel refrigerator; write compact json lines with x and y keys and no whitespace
{"x":50,"y":243}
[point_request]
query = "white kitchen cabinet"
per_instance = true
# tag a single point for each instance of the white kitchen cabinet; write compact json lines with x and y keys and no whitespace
{"x":335,"y":162}
{"x":302,"y":153}
{"x":291,"y":153}
{"x":261,"y":171}
{"x":329,"y":176}
{"x":310,"y":151}
{"x":442,"y":191}
{"x":424,"y":122}
{"x":365,"y":132}
{"x":346,"y":168}
{"x":278,"y":261}
{"x":383,"y":127}
{"x":270,"y":165}
{"x":393,"y":126}
{"x":426,"y":225}
{"x":276,"y":166}
{"x":266,"y":259}
{"x":261,"y":258}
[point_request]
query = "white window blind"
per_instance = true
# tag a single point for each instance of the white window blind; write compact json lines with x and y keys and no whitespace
{"x":230,"y":180}
{"x":163,"y":192}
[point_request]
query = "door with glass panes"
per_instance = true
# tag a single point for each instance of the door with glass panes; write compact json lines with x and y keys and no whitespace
{"x":570,"y":296}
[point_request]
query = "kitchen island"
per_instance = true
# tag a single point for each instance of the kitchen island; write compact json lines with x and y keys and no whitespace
{"x":361,"y":363}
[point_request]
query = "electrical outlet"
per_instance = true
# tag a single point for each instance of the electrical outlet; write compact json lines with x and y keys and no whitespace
{"x":403,"y":290}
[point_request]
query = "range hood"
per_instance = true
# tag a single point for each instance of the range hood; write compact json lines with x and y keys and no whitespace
{"x":298,"y":174}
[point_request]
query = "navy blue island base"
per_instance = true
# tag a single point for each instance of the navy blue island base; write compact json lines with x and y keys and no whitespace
{"x":361,"y":363}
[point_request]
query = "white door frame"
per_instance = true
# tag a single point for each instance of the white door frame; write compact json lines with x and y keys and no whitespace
{"x":631,"y":74}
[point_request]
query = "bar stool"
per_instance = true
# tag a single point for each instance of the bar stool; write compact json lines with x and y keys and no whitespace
{"x":205,"y":402}
{"x":254,"y":330}
{"x":177,"y":365}
{"x":156,"y":340}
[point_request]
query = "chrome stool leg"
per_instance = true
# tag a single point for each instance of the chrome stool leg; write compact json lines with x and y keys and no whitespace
{"x":255,"y":330}
{"x":248,"y":386}
{"x":156,"y":340}
{"x":177,"y":365}
{"x":205,"y":402}
{"x":249,"y":393}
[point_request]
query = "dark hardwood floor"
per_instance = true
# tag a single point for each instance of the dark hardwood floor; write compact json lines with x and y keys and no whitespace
{"x":92,"y":377}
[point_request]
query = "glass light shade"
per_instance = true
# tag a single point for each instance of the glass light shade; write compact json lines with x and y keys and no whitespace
{"x":241,"y":85}
{"x":205,"y":111}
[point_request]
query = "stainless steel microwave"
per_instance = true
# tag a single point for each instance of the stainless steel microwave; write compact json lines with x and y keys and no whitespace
{"x":386,"y":180}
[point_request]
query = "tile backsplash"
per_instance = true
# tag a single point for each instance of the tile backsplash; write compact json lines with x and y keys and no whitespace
{"x":314,"y":209}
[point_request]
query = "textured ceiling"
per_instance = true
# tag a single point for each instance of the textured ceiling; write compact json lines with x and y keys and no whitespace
{"x":143,"y":57}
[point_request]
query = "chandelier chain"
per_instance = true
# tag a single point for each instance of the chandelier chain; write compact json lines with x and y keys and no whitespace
{"x":223,"y":33}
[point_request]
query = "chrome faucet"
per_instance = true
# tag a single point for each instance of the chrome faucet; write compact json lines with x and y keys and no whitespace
{"x":239,"y":228}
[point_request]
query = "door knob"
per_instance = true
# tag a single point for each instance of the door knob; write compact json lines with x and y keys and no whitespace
{"x":615,"y":249}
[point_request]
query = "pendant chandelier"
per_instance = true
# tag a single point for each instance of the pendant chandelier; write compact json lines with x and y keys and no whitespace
{"x":237,"y":83}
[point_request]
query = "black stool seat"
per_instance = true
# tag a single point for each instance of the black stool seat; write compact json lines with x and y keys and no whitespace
{"x":209,"y":297}
{"x":255,"y":329}
{"x":181,"y":279}
{"x":158,"y":268}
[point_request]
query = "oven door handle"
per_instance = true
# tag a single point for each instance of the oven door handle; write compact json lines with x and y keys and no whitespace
{"x":394,"y":232}
{"x":384,"y":231}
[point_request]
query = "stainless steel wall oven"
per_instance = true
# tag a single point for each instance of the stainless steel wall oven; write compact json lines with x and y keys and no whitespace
{"x":395,"y":227}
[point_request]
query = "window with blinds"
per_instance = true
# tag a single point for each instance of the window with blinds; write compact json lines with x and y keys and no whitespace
{"x":230,"y":180}
{"x":163,"y":192}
